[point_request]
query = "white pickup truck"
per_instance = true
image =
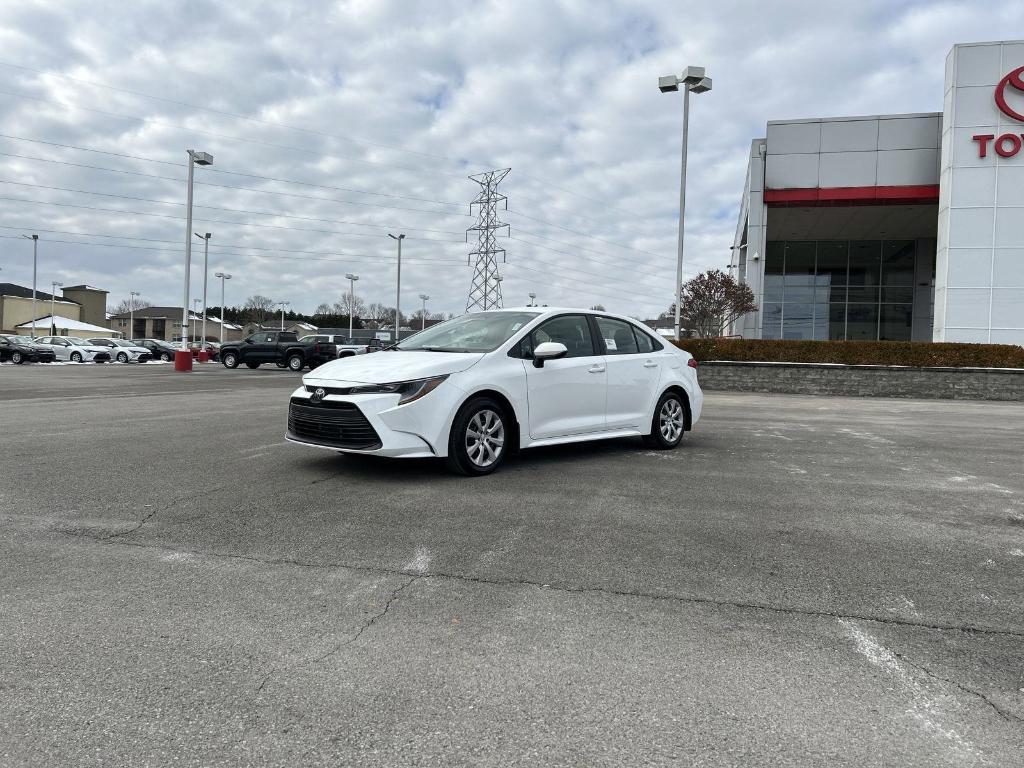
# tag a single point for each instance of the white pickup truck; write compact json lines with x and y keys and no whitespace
{"x":347,"y":347}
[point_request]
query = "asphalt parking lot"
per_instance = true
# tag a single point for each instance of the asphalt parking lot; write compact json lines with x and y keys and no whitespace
{"x":807,"y":581}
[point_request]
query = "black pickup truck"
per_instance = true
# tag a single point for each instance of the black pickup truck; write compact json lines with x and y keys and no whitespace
{"x":280,"y":347}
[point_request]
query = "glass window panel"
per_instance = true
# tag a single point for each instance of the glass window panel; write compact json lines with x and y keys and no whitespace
{"x":837,"y":321}
{"x":865,"y":262}
{"x":897,"y":322}
{"x":835,"y":294}
{"x":799,"y":258}
{"x":898,"y":295}
{"x":832,"y":260}
{"x":799,"y":288}
{"x":772,"y":288}
{"x":862,"y":322}
{"x":863,"y":293}
{"x":820,"y":330}
{"x":774,"y":257}
{"x":771,"y":321}
{"x":797,"y":321}
{"x":898,"y":262}
{"x":618,"y":336}
{"x":571,"y":330}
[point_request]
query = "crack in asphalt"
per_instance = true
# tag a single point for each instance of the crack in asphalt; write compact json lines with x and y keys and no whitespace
{"x":638,"y":594}
{"x":1003,"y":713}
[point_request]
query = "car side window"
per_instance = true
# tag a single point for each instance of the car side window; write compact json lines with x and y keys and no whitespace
{"x":571,"y":330}
{"x":643,"y":342}
{"x":618,"y":336}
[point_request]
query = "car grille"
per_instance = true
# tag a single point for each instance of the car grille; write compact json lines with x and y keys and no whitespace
{"x":101,"y":357}
{"x":145,"y":357}
{"x":337,"y":425}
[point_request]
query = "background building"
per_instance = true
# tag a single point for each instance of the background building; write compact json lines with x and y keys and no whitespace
{"x":164,"y":323}
{"x":16,"y":309}
{"x":894,"y":226}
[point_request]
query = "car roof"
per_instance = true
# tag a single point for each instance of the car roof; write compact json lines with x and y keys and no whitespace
{"x":546,"y":311}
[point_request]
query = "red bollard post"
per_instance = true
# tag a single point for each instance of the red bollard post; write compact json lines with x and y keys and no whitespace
{"x":183,"y":360}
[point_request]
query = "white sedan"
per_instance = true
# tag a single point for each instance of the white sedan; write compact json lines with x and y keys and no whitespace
{"x":474,"y":388}
{"x":75,"y":349}
{"x":123,"y":351}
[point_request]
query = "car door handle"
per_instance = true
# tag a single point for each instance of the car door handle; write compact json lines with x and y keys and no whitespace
{"x":650,"y":364}
{"x":596,"y":369}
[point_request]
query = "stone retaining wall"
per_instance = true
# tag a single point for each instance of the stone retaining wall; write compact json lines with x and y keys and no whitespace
{"x":864,"y":380}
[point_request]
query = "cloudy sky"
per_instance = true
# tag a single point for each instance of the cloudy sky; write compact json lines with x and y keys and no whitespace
{"x":332,"y":124}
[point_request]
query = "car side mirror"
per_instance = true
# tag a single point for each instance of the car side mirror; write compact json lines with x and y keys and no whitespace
{"x":248,"y":341}
{"x":549,"y":350}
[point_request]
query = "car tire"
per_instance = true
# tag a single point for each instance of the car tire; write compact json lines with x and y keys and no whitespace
{"x":17,"y":358}
{"x":166,"y":357}
{"x":76,"y":357}
{"x":296,"y":363}
{"x":480,"y":438}
{"x":252,"y":366}
{"x":230,"y":360}
{"x":122,"y":357}
{"x":668,"y":424}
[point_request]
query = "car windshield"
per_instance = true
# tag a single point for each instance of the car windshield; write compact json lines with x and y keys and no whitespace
{"x":78,"y":342}
{"x":22,"y":339}
{"x":478,"y":332}
{"x":122,"y":343}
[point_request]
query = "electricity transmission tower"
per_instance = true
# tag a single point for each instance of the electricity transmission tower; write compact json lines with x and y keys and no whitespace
{"x":485,"y":290}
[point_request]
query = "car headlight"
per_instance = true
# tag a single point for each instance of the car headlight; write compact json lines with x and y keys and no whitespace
{"x":409,"y":390}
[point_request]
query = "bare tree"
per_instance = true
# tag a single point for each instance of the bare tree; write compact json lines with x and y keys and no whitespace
{"x":350,"y":304}
{"x":711,"y":301}
{"x":322,"y":310}
{"x":125,"y":306}
{"x":257,"y":307}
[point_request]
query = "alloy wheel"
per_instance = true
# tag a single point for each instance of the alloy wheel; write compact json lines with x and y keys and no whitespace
{"x":485,"y":438}
{"x":670,"y":420}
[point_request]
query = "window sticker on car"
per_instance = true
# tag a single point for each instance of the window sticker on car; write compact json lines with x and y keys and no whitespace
{"x":610,"y":344}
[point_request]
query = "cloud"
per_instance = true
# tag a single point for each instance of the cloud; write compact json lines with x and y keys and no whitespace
{"x":392,"y":104}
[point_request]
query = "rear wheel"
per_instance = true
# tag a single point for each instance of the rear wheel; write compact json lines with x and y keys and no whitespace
{"x":254,"y":366}
{"x":296,"y":363}
{"x":479,"y":438}
{"x":668,"y":424}
{"x":230,"y":360}
{"x":166,"y":357}
{"x":122,"y":357}
{"x":76,"y":357}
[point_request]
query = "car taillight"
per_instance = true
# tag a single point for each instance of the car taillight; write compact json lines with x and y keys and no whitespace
{"x":316,"y":348}
{"x":692,"y":363}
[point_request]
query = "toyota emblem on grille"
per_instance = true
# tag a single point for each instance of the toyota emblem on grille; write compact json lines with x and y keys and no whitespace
{"x":318,"y":395}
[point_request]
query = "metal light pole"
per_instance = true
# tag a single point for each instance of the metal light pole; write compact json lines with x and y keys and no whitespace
{"x":203,"y":354}
{"x":35,"y":261}
{"x":351,"y":300}
{"x":423,"y":317}
{"x":398,"y":286}
{"x":282,"y":305}
{"x":533,"y":299}
{"x":131,"y":313}
{"x":223,"y":276}
{"x":693,"y":79}
{"x":183,"y":357}
{"x":53,"y":323}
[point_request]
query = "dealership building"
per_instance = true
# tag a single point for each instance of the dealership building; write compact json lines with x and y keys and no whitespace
{"x":901,"y":227}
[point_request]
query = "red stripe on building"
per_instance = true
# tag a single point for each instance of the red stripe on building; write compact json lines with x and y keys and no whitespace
{"x":818,"y":196}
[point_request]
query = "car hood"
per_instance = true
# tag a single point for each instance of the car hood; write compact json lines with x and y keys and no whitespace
{"x":386,"y":367}
{"x":90,"y":348}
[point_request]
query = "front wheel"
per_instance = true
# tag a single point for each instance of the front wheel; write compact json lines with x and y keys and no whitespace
{"x":230,"y":360}
{"x":166,"y":357}
{"x":296,"y":363}
{"x":76,"y":357}
{"x":479,"y":438}
{"x":668,"y":423}
{"x":17,"y":358}
{"x":122,"y":357}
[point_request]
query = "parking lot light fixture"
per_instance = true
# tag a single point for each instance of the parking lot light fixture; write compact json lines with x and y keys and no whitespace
{"x":695,"y":80}
{"x":533,"y":299}
{"x":423,"y":316}
{"x":183,"y":357}
{"x":53,"y":289}
{"x":131,"y":314}
{"x":351,"y":299}
{"x":223,"y":276}
{"x":203,"y":354}
{"x":398,"y":285}
{"x":282,"y":305}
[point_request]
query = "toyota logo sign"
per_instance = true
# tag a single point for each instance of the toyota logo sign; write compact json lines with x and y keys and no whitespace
{"x":318,"y":395}
{"x":1013,"y":80}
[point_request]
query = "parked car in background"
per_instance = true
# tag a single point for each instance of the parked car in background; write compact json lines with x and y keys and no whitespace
{"x":23,"y":349}
{"x":122,"y":351}
{"x":277,"y":347}
{"x":160,"y":350}
{"x":75,"y":349}
{"x":471,"y":389}
{"x":212,"y":349}
{"x":347,"y":347}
